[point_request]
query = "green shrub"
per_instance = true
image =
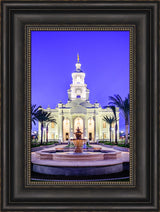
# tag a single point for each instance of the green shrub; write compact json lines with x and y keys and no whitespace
{"x":123,"y":145}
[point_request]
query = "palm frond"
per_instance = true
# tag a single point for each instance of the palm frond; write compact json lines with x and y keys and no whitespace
{"x":34,"y":111}
{"x":123,"y":105}
{"x":43,"y":116}
{"x":116,"y":100}
{"x":109,"y":120}
{"x":113,"y":108}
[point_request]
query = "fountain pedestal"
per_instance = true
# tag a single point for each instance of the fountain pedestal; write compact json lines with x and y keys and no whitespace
{"x":78,"y":142}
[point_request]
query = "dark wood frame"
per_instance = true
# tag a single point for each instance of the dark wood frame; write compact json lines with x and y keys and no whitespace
{"x":15,"y":195}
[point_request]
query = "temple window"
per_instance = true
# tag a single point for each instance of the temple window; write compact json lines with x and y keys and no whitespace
{"x":52,"y":124}
{"x":104,"y":124}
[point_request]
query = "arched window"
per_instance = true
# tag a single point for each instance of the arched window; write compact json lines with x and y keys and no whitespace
{"x":104,"y":135}
{"x":52,"y":125}
{"x":66,"y":129}
{"x":91,"y":129}
{"x":104,"y":124}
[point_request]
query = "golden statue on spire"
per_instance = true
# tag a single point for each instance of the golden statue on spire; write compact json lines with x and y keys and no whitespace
{"x":78,"y":58}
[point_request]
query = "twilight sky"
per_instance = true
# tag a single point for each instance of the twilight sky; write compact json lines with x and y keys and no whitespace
{"x":104,"y":56}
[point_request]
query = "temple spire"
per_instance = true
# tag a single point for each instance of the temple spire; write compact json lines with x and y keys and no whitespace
{"x":78,"y":65}
{"x":78,"y":58}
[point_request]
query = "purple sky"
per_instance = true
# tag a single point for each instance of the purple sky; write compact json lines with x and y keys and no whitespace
{"x":104,"y":56}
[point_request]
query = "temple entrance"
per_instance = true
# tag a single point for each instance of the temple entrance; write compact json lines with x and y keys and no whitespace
{"x":67,"y":136}
{"x":78,"y":122}
{"x":91,"y":129}
{"x":66,"y":129}
{"x":90,"y":136}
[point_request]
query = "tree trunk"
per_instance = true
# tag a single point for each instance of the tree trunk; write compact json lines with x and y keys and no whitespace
{"x":116,"y":133}
{"x":47,"y":134}
{"x":41,"y":133}
{"x":110,"y":133}
{"x":126,"y":131}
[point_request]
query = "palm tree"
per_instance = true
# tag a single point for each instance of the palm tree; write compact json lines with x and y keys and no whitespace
{"x":34,"y":111}
{"x":43,"y":117}
{"x":124,"y":107}
{"x":110,"y":121}
{"x":113,"y":108}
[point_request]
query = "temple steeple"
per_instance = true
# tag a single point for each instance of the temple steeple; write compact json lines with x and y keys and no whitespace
{"x":78,"y":88}
{"x":78,"y":65}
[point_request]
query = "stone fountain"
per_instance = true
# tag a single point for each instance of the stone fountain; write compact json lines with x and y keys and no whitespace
{"x":78,"y":163}
{"x":78,"y":142}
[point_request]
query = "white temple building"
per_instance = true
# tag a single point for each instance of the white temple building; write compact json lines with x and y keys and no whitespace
{"x":79,"y":112}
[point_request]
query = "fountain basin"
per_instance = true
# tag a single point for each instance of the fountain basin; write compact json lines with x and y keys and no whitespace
{"x":78,"y":170}
{"x":78,"y":156}
{"x":72,"y":156}
{"x":78,"y":143}
{"x":48,"y":162}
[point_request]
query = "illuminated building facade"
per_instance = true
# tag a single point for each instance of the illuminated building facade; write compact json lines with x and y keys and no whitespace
{"x":79,"y":112}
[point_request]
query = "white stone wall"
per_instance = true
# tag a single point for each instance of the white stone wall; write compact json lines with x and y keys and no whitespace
{"x":95,"y":114}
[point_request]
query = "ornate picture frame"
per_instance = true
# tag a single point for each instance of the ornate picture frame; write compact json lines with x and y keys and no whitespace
{"x":132,"y":73}
{"x":18,"y":192}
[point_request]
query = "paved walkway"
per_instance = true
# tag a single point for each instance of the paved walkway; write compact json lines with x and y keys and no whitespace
{"x":124,"y":149}
{"x":35,"y":149}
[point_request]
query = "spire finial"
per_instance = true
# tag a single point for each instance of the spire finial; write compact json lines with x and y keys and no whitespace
{"x":78,"y":58}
